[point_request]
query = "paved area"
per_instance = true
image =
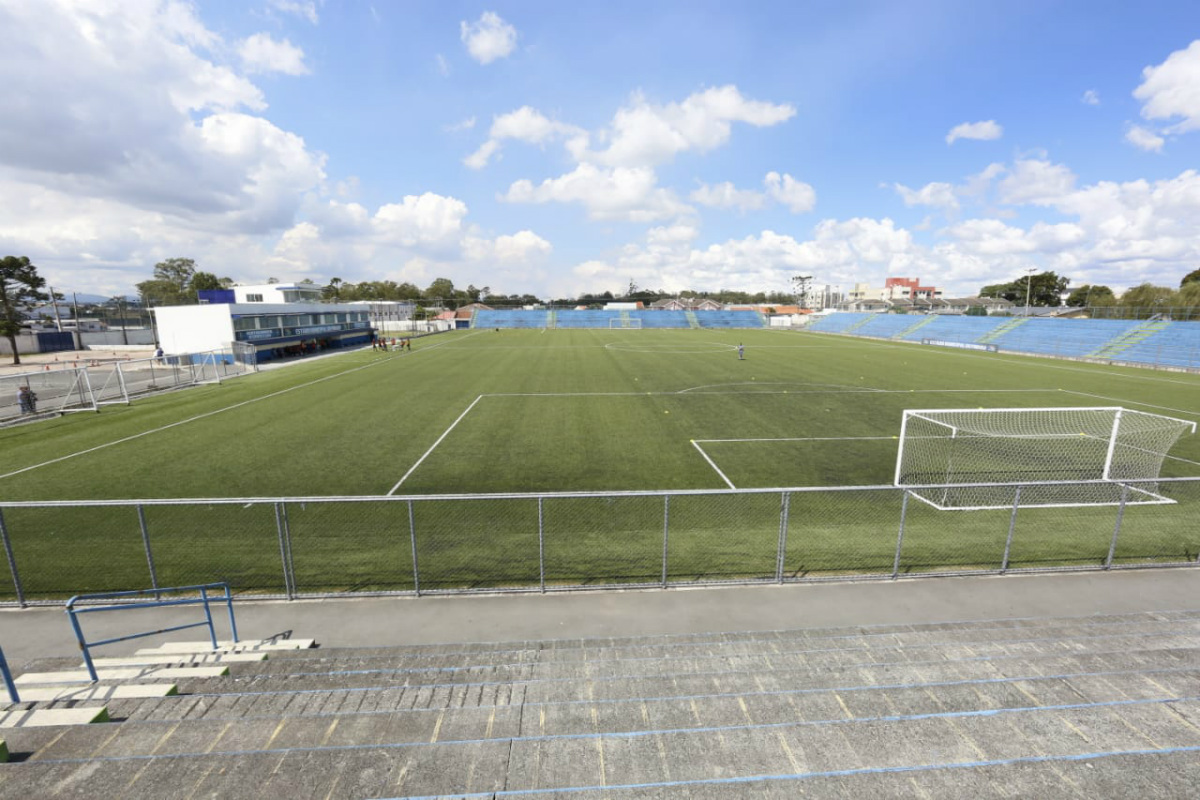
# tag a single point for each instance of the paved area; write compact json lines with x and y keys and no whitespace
{"x":43,"y":632}
{"x":32,"y":362}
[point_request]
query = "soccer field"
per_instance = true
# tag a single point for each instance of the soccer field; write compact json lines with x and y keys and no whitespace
{"x":536,"y":411}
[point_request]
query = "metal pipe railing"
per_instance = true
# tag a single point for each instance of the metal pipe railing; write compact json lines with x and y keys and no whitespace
{"x":85,"y":646}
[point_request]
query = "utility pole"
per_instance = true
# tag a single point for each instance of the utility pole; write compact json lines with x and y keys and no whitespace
{"x":54,"y":305}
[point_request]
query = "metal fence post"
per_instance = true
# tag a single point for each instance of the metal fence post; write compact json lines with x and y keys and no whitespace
{"x":141,"y":512}
{"x":900,"y":537}
{"x":287,"y":540}
{"x":12,"y":562}
{"x":666,"y":529}
{"x":541,"y":548}
{"x":1012,"y":526}
{"x":783,"y":532}
{"x":1112,"y":546}
{"x":412,"y":534}
{"x":287,"y":581}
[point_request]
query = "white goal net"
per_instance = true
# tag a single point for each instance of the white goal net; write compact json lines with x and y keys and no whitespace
{"x":1057,"y":456}
{"x":34,"y":395}
{"x":624,"y":322}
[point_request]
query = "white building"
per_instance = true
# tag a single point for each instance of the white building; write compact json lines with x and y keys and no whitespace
{"x":278,"y":293}
{"x":274,"y":330}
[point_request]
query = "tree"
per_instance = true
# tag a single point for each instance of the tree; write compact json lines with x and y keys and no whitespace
{"x":171,"y":284}
{"x":1147,"y":295}
{"x":1045,"y":289}
{"x":1088,"y":295}
{"x":1191,"y":277}
{"x":203,"y":282}
{"x":441,"y":289}
{"x":20,"y":289}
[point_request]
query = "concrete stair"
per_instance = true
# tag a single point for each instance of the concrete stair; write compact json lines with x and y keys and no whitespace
{"x":1047,"y":707}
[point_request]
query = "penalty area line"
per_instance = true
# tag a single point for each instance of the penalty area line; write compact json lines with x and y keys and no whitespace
{"x":433,"y":446}
{"x":712,"y":464}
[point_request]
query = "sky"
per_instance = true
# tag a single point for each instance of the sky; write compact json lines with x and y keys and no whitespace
{"x":561,"y":148}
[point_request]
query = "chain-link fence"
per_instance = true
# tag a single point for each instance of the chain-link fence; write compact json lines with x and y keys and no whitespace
{"x":293,"y":547}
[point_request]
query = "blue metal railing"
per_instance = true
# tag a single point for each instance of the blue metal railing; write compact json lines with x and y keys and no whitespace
{"x":203,"y":599}
{"x":8,"y":680}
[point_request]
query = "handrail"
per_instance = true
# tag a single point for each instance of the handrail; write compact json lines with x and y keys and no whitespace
{"x":13,"y":697}
{"x":86,"y":646}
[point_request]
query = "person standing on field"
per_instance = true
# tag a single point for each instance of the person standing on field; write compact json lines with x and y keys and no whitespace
{"x":741,"y":352}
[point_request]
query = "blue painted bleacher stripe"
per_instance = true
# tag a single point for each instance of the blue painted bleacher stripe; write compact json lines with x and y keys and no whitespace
{"x":757,"y":637}
{"x":840,"y":773}
{"x":725,"y":656}
{"x":764,"y":726}
{"x":654,"y":699}
{"x":609,"y":679}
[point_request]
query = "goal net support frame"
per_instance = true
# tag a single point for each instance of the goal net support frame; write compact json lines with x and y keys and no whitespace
{"x":56,"y":391}
{"x":976,"y":459}
{"x":624,"y":323}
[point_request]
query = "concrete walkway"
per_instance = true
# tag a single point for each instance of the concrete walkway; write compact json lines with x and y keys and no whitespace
{"x":45,"y":632}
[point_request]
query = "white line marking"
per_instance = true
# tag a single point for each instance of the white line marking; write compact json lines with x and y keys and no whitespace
{"x":804,"y":439}
{"x":1131,"y":402}
{"x":713,"y":465}
{"x":432,"y":447}
{"x":210,"y":413}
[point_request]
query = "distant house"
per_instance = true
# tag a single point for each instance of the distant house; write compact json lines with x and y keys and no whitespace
{"x":686,"y":304}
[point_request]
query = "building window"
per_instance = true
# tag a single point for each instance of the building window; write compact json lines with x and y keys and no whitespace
{"x":254,"y":298}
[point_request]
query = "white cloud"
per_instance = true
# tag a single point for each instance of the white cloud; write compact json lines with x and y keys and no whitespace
{"x":1172,"y":90}
{"x":443,"y":66}
{"x":934,"y":195}
{"x":260,"y":53}
{"x":1090,"y":98}
{"x":308,"y":10}
{"x":462,"y":125}
{"x":1144,"y":139}
{"x":975,"y":130}
{"x":618,"y":194}
{"x":1037,"y":181}
{"x":525,"y":124}
{"x":726,"y":195}
{"x":645,"y":134}
{"x":488,"y":38}
{"x":798,"y":196}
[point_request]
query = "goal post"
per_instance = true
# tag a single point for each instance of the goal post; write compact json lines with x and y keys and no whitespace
{"x":1059,"y":456}
{"x":626,"y":323}
{"x":34,"y":395}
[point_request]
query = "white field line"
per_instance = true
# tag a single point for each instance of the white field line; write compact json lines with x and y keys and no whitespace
{"x":676,"y":392}
{"x":713,"y":465}
{"x":433,"y":446}
{"x":806,"y":439}
{"x":1132,"y":402}
{"x":205,"y":415}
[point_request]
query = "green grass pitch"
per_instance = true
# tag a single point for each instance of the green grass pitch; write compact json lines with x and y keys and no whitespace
{"x":554,"y":411}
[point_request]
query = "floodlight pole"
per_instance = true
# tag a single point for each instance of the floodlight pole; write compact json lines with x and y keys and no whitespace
{"x":1028,"y":286}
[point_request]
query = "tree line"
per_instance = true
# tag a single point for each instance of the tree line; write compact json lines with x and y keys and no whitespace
{"x":1050,"y":289}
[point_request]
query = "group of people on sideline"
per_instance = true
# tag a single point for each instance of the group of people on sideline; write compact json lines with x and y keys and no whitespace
{"x":395,"y":345}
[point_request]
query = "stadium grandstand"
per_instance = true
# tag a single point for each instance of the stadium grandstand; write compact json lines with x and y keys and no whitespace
{"x":1158,"y":342}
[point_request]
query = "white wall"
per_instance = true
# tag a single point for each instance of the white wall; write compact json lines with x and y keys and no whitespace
{"x":193,"y":329}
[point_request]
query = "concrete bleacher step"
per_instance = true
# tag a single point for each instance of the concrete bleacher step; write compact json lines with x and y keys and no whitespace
{"x":123,"y":691}
{"x":661,"y":756}
{"x":119,"y":674}
{"x":881,"y":709}
{"x":48,"y":717}
{"x":179,"y":659}
{"x":227,"y":646}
